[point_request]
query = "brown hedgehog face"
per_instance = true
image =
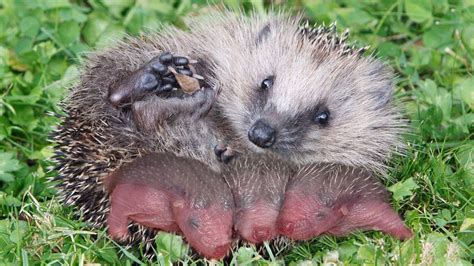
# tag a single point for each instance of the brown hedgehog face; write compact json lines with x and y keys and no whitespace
{"x":289,"y":96}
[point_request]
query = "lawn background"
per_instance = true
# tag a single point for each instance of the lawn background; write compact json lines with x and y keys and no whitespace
{"x":429,"y":43}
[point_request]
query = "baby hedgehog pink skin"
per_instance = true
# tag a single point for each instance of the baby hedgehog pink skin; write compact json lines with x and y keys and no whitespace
{"x":173,"y":194}
{"x":337,"y":200}
{"x":258,"y":185}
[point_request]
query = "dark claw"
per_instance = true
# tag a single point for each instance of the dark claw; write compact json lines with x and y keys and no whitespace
{"x":166,"y":87}
{"x":185,"y":72}
{"x":149,"y":82}
{"x":169,"y":75}
{"x":159,"y":68}
{"x":180,"y":61}
{"x":227,"y":156}
{"x":224,"y":154}
{"x":219,"y":149}
{"x":169,"y":80}
{"x":166,"y":58}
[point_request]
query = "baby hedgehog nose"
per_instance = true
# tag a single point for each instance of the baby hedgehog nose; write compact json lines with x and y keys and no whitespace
{"x":262,"y":134}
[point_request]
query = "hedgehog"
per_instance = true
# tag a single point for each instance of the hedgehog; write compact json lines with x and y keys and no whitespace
{"x":185,"y":196}
{"x":258,"y":185}
{"x":336,"y":199}
{"x":96,"y":139}
{"x":173,"y":194}
{"x":268,"y":88}
{"x":302,"y":93}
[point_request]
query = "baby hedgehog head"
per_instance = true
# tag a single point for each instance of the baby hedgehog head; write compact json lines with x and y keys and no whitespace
{"x":305,"y":93}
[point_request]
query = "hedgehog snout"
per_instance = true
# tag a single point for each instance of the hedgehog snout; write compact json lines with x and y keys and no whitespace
{"x":261,"y":134}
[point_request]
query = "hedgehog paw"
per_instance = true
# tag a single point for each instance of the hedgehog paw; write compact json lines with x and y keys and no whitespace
{"x":158,"y":76}
{"x":224,"y":153}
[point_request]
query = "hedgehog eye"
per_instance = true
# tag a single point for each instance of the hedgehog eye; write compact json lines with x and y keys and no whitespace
{"x":320,"y":215}
{"x":322,"y":117}
{"x":267,"y":83}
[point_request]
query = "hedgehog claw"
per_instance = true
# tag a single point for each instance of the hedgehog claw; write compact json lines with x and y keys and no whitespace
{"x":224,"y":153}
{"x":219,"y":149}
{"x":227,"y":155}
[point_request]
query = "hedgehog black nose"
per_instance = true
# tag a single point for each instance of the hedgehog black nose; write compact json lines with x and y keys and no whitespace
{"x":262,"y":134}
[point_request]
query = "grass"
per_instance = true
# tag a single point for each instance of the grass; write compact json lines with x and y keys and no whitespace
{"x":430,"y":44}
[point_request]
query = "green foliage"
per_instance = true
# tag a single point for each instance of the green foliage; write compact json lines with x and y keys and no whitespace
{"x":403,"y":189}
{"x":429,"y":43}
{"x":172,"y":247}
{"x":8,"y":164}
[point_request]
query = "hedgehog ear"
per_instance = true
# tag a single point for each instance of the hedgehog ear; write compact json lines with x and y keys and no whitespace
{"x":263,"y":34}
{"x":382,"y":89}
{"x":382,"y":95}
